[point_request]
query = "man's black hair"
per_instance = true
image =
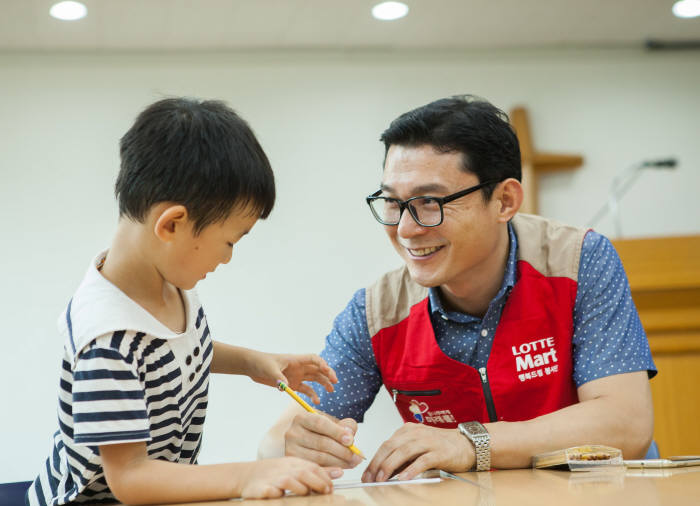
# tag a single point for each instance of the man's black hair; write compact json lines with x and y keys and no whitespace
{"x":199,"y":154}
{"x":465,"y":124}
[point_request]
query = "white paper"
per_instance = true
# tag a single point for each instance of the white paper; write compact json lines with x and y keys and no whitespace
{"x":338,"y":485}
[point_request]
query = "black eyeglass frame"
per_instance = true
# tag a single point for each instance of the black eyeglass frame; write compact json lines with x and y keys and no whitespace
{"x":404,"y":204}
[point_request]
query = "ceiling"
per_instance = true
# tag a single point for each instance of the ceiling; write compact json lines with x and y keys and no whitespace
{"x":248,"y":24}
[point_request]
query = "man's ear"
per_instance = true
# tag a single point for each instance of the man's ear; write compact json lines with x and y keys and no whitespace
{"x":509,"y":196}
{"x":171,"y":220}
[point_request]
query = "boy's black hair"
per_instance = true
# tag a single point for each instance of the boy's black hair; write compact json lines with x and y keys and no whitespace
{"x":199,"y":154}
{"x":465,"y":124}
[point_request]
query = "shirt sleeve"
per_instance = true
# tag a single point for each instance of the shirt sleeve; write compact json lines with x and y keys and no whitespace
{"x":108,"y":399}
{"x":608,"y":335}
{"x":349,"y":352}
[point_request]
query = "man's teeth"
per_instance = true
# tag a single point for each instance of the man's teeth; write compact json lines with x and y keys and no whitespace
{"x":424,"y":252}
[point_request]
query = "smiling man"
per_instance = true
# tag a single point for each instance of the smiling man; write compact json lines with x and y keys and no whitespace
{"x":503,"y":336}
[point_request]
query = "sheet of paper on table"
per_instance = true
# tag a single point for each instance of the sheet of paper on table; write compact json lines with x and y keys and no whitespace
{"x":338,"y":485}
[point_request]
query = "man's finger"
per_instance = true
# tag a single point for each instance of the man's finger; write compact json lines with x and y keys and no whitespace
{"x":383,"y":452}
{"x":350,"y":423}
{"x":322,"y":458}
{"x":402,"y":456}
{"x":422,"y":463}
{"x":323,"y":425}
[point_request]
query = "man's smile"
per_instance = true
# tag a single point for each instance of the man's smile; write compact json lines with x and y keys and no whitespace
{"x":423,"y":252}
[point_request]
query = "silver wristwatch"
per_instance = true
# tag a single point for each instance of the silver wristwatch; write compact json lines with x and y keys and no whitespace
{"x":479,"y":436}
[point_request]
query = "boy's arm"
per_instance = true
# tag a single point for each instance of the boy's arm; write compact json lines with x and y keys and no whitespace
{"x":269,"y":368}
{"x":133,"y":478}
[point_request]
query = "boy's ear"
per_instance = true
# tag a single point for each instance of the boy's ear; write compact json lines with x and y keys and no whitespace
{"x":171,"y":220}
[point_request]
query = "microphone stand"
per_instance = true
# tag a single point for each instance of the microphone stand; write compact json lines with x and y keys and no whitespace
{"x":621,"y":183}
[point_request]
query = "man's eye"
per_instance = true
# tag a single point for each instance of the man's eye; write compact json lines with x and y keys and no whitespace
{"x":230,"y":244}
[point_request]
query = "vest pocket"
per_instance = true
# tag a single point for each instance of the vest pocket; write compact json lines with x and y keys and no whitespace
{"x":396,"y":392}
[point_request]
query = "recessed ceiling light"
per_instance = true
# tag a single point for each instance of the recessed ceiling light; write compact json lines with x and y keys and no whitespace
{"x":68,"y":11}
{"x":388,"y":11}
{"x":686,"y":8}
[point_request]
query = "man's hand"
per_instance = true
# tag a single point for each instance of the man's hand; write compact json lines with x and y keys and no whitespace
{"x":415,"y":448}
{"x":321,"y":439}
{"x":269,"y":368}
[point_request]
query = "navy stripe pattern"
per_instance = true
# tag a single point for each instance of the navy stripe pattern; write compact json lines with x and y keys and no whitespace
{"x":125,"y":387}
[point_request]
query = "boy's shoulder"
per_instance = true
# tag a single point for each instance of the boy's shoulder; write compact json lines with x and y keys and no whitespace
{"x":98,"y":308}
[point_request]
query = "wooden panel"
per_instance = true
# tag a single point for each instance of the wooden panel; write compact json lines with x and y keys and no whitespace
{"x":664,"y":275}
{"x":677,"y":403}
{"x":668,"y":310}
{"x":674,"y":343}
{"x":666,"y":263}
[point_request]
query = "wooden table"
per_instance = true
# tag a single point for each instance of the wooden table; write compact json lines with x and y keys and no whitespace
{"x":522,"y":487}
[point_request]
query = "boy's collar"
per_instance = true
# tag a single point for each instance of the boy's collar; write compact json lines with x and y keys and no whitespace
{"x":99,"y":307}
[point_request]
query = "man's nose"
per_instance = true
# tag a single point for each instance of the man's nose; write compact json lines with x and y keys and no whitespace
{"x":228,"y":256}
{"x":407,"y":226}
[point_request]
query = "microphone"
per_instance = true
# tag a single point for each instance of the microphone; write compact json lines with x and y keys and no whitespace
{"x":662,"y":163}
{"x":622,"y":182}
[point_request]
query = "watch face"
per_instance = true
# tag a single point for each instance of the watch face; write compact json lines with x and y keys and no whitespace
{"x":474,"y":428}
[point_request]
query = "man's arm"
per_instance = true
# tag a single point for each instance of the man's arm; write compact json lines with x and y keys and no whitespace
{"x":614,"y":411}
{"x":321,"y":438}
{"x":316,"y":437}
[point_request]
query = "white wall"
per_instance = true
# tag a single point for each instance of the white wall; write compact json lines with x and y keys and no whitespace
{"x":318,"y":115}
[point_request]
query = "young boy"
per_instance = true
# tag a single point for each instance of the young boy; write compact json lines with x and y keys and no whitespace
{"x":133,"y":388}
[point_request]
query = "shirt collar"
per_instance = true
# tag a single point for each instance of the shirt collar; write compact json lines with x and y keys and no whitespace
{"x":509,"y":279}
{"x":99,"y":307}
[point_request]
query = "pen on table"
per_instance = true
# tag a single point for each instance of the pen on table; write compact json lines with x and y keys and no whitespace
{"x":305,"y":405}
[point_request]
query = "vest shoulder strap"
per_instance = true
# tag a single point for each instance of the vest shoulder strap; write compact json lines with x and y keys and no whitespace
{"x":389,"y":299}
{"x":550,"y":247}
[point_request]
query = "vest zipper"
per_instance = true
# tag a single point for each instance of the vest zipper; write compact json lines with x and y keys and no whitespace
{"x":395,"y":392}
{"x":487,"y":395}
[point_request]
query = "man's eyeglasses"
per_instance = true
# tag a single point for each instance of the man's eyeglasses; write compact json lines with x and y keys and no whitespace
{"x":426,"y":210}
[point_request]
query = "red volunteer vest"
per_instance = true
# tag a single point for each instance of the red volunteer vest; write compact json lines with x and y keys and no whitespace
{"x":529,"y":370}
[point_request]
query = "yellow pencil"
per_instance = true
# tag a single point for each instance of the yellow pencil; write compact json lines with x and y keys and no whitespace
{"x":308,"y":408}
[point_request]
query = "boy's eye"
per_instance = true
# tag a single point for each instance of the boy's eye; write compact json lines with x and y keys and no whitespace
{"x":230,"y":244}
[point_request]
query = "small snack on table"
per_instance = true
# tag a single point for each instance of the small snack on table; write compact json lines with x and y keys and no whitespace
{"x":579,"y":458}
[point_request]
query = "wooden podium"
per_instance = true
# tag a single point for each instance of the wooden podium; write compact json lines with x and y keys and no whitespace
{"x":664,"y":275}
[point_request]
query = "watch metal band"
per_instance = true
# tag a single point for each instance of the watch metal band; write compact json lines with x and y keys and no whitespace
{"x":479,"y":436}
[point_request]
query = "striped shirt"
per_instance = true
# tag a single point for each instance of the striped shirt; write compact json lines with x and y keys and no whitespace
{"x":124,"y":378}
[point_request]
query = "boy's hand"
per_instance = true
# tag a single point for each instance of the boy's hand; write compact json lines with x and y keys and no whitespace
{"x":272,"y":477}
{"x":269,"y":368}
